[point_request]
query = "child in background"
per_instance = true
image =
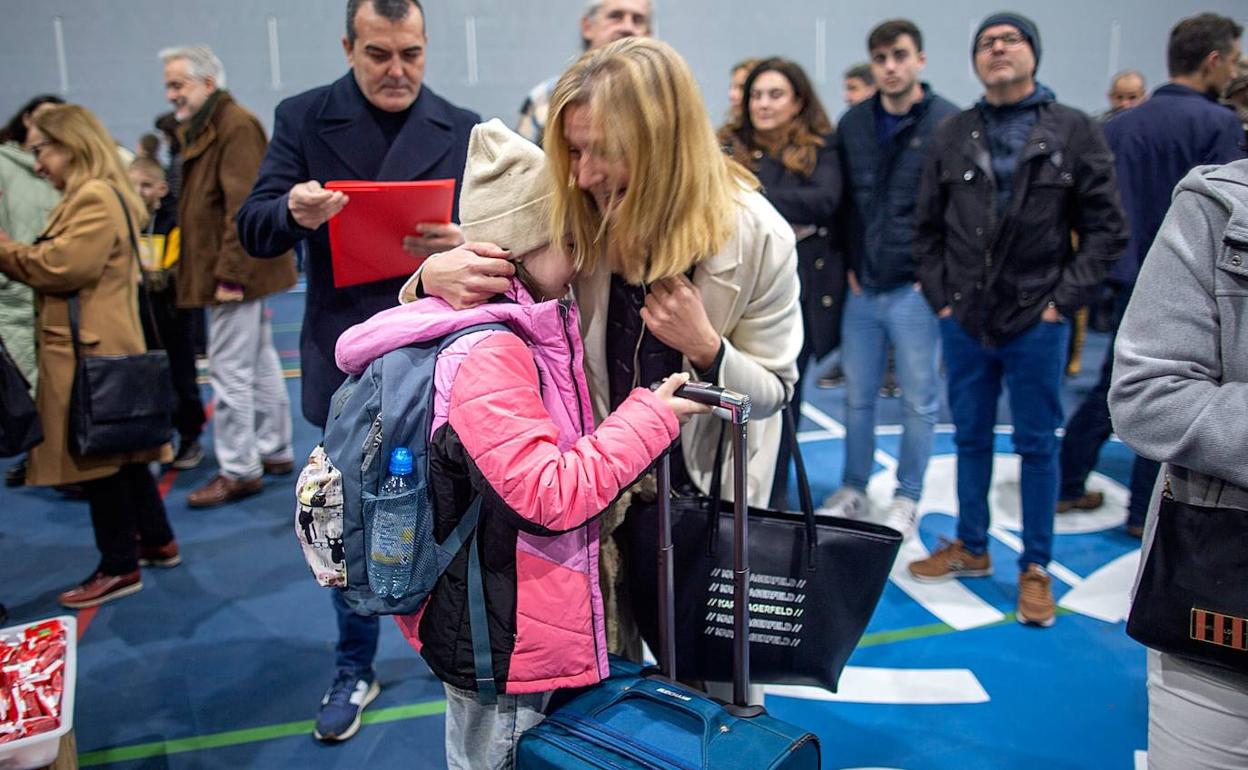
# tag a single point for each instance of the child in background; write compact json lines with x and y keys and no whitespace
{"x":513,"y":424}
{"x":174,"y":327}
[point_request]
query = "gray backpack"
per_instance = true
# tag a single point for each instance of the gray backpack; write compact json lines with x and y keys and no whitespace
{"x":389,"y":405}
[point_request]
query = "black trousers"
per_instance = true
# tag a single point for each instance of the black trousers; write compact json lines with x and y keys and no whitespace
{"x":126,"y":511}
{"x":175,"y":332}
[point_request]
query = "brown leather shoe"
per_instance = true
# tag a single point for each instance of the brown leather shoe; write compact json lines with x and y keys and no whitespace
{"x":1088,"y":501}
{"x":1035,"y":597}
{"x":223,"y":489}
{"x":100,"y":588}
{"x":951,"y":560}
{"x":278,"y":467}
{"x":160,"y":556}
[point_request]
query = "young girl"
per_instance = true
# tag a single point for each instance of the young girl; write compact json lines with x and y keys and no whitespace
{"x":513,"y":424}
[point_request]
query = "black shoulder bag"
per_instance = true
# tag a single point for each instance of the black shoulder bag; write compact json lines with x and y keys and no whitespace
{"x":816,"y":581}
{"x":120,"y":403}
{"x":1192,"y":599}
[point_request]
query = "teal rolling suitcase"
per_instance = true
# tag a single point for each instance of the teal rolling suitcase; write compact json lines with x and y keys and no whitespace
{"x":645,"y":719}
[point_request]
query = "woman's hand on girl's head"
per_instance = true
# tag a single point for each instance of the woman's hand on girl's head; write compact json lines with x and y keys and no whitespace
{"x":683,"y":407}
{"x":674,"y":313}
{"x":467,"y":275}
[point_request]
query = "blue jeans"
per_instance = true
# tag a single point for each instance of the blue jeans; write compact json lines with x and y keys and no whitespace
{"x":357,"y":638}
{"x":873,"y":320}
{"x":1031,"y":366}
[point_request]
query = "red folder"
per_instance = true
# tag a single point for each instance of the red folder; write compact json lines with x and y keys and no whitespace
{"x":366,"y":237}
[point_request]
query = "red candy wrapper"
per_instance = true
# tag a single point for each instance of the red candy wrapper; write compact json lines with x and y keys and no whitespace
{"x":32,"y":680}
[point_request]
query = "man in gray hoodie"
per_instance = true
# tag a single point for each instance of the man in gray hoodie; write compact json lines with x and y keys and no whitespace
{"x":1180,"y":395}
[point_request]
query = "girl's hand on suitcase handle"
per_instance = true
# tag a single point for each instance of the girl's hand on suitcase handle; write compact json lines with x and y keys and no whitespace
{"x":682,"y":407}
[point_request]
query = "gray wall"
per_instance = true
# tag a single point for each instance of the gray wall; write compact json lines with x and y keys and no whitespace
{"x":110,"y":46}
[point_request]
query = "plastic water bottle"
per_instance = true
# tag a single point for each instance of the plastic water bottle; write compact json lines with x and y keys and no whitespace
{"x":390,"y":549}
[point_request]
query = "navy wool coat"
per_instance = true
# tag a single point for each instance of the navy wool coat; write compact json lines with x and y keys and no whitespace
{"x":329,"y":133}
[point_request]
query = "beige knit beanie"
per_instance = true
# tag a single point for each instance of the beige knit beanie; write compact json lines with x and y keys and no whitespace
{"x":506,"y":195}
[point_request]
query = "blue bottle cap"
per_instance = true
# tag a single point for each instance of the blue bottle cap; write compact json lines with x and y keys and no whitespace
{"x":401,"y":461}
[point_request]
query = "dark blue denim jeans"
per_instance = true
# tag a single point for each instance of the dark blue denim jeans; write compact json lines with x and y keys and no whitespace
{"x":357,"y":638}
{"x":1031,"y":367}
{"x":1087,"y":431}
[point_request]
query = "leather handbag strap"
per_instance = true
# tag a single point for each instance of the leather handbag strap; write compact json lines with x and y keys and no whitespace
{"x":75,"y":311}
{"x":805,"y":499}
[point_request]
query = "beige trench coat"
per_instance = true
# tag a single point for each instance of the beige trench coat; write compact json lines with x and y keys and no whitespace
{"x":85,"y":249}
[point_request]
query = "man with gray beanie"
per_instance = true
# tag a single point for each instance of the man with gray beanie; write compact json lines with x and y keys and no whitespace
{"x":1006,"y":184}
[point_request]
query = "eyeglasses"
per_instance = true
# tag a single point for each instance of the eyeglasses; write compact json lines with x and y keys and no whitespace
{"x":1009,"y":39}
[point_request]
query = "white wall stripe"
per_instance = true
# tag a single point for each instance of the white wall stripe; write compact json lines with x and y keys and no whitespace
{"x":58,"y":34}
{"x":275,"y":56}
{"x":470,"y":30}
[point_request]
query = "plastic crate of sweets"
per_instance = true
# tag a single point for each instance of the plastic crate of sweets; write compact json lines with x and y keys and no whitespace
{"x":37,"y":668}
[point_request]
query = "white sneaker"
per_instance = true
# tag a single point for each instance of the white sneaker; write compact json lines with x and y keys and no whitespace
{"x":901,"y":515}
{"x":846,"y":502}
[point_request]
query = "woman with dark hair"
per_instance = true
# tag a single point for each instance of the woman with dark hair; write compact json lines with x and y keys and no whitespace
{"x":85,"y":253}
{"x":786,"y":139}
{"x":18,"y":127}
{"x":25,"y":200}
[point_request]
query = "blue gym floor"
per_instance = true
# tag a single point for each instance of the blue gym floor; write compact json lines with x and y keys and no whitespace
{"x":221,"y":662}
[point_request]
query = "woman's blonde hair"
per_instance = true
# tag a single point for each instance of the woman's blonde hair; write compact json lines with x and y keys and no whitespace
{"x":92,"y":153}
{"x":645,"y":109}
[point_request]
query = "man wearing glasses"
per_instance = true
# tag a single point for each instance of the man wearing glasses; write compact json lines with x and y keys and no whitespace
{"x":1006,"y":184}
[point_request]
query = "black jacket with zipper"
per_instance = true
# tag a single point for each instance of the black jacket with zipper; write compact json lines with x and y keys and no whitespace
{"x":999,"y":273}
{"x":882,"y":187}
{"x":809,"y":205}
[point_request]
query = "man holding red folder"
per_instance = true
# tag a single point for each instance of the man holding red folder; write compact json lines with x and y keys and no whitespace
{"x":378,"y":122}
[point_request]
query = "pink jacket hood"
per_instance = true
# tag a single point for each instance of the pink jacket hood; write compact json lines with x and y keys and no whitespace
{"x":431,"y":318}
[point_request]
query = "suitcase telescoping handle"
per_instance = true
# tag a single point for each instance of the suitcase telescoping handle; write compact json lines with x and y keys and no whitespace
{"x":735,"y":408}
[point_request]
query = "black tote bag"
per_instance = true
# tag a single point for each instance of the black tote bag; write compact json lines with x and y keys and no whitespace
{"x":20,"y":428}
{"x":815,"y":584}
{"x":1192,"y":599}
{"x":119,"y":403}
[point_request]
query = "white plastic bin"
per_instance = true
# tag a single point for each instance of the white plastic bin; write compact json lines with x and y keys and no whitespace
{"x":40,"y":750}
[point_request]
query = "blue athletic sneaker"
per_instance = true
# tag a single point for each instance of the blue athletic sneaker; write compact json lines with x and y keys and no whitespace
{"x":339,"y":716}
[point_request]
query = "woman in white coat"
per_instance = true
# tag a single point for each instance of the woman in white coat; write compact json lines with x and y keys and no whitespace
{"x":682,"y":263}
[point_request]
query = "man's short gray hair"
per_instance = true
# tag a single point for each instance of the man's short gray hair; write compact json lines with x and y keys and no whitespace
{"x":201,"y":62}
{"x":592,"y":7}
{"x":1128,"y":74}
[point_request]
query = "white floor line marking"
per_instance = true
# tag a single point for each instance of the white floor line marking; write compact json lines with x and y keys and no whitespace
{"x":951,"y":602}
{"x":1056,"y":568}
{"x":898,"y":686}
{"x":1106,"y":593}
{"x":805,"y":436}
{"x":820,"y":418}
{"x":942,"y":428}
{"x":1141,"y":760}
